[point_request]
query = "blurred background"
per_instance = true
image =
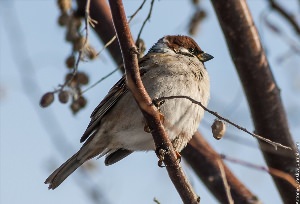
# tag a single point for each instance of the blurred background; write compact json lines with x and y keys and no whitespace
{"x":34,"y":141}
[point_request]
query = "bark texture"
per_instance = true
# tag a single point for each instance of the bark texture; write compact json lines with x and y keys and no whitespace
{"x":262,"y":92}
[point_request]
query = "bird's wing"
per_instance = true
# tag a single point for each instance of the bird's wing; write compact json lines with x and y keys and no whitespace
{"x":113,"y":96}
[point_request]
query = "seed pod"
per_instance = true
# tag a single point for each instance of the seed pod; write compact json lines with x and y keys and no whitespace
{"x":82,"y":78}
{"x":47,"y":99}
{"x":76,"y":22}
{"x":74,"y":81}
{"x":71,"y":35}
{"x":63,"y":96}
{"x":81,"y":101}
{"x":70,"y":62}
{"x":92,"y":53}
{"x":218,"y":129}
{"x":68,"y":77}
{"x":75,"y":107}
{"x":63,"y":19}
{"x":79,"y":43}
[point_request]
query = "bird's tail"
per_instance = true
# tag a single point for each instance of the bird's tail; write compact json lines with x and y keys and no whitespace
{"x":67,"y":168}
{"x":60,"y":174}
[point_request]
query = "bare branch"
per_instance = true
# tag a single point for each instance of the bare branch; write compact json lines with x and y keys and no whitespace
{"x":134,"y":14}
{"x":151,"y":115}
{"x":99,"y":11}
{"x":275,"y":144}
{"x":227,"y":187}
{"x":271,"y":171}
{"x":145,"y":21}
{"x":288,"y":17}
{"x":100,"y":80}
{"x":115,"y":37}
{"x":261,"y":90}
{"x":203,"y":159}
{"x":198,"y":153}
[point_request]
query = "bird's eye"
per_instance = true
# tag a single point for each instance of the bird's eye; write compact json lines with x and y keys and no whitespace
{"x":191,"y":50}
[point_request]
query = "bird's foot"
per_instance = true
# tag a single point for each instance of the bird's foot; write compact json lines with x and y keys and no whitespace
{"x":160,"y":152}
{"x":158,"y":102}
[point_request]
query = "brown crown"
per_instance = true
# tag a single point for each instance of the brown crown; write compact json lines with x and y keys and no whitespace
{"x":176,"y":41}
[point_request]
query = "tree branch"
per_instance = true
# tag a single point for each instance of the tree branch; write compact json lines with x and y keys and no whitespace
{"x":260,"y":87}
{"x":203,"y":159}
{"x":289,"y":18}
{"x":275,"y":144}
{"x":135,"y":85}
{"x":99,"y":11}
{"x":199,"y":154}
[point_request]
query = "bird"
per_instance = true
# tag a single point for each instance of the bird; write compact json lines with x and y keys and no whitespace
{"x":173,"y":66}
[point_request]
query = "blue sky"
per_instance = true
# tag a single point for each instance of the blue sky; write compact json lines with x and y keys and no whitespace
{"x":34,"y":141}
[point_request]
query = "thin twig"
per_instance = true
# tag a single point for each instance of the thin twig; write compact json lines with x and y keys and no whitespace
{"x":272,"y":171}
{"x":275,"y":144}
{"x":100,"y":80}
{"x":203,"y":159}
{"x":88,"y":21}
{"x":107,"y":44}
{"x":226,"y":185}
{"x":278,"y":31}
{"x":134,"y":14}
{"x":86,"y":28}
{"x":285,"y":15}
{"x":115,"y":37}
{"x":148,"y":18}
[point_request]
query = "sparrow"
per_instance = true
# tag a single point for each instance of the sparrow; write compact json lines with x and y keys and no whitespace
{"x":174,"y":66}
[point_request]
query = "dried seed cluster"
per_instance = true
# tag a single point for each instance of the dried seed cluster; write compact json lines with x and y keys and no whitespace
{"x":73,"y":23}
{"x":74,"y":80}
{"x":72,"y":89}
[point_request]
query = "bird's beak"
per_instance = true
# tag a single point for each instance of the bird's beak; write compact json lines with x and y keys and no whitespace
{"x":203,"y":57}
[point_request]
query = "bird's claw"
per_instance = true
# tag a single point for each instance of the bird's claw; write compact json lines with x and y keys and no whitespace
{"x":161,"y":156}
{"x":158,"y":102}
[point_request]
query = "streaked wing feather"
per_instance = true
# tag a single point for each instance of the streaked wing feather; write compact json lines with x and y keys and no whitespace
{"x":113,"y":96}
{"x":109,"y":101}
